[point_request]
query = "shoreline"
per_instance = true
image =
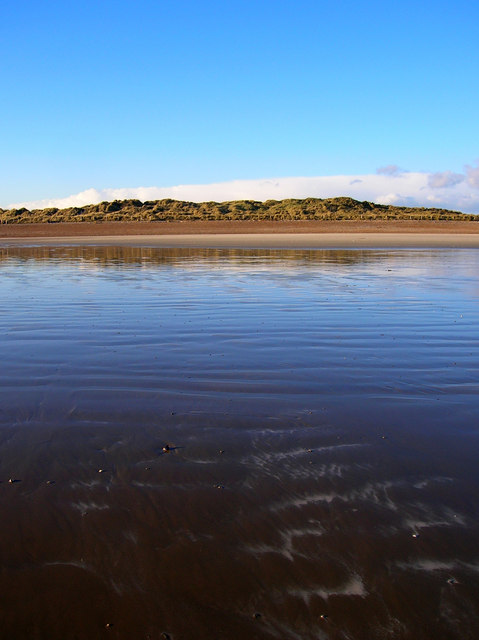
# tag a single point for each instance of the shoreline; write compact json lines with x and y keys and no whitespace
{"x":245,"y":234}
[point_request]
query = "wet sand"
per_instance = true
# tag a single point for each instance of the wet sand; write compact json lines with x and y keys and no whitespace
{"x":304,"y":527}
{"x":320,"y":410}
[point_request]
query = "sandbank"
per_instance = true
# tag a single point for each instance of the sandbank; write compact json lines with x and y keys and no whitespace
{"x":238,"y":234}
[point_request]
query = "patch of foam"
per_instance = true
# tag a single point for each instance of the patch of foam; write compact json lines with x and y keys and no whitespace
{"x":432,"y":565}
{"x":319,"y":471}
{"x":159,"y":486}
{"x":354,"y":587}
{"x":429,"y":518}
{"x":265,"y":458}
{"x":376,"y":493}
{"x":287,"y":548}
{"x":418,"y":525}
{"x":281,"y":630}
{"x":428,"y":564}
{"x":78,"y":564}
{"x":89,"y":506}
{"x":422,"y":484}
{"x":89,"y":485}
{"x":335,"y":447}
{"x":131,"y":536}
{"x":303,"y":501}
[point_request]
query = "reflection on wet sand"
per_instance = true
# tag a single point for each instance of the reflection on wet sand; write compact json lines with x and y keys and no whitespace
{"x":231,"y":444}
{"x":122,"y":256}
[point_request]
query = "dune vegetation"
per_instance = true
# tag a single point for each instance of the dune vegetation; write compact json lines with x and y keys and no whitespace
{"x":177,"y":210}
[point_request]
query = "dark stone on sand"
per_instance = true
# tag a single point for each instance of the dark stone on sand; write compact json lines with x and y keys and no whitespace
{"x":257,"y":615}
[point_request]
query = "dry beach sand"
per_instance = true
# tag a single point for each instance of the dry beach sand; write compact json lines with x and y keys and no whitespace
{"x":297,"y":234}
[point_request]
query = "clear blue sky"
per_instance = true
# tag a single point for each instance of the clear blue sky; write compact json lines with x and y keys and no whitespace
{"x":116,"y":94}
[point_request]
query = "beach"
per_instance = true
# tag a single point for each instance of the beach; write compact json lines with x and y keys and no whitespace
{"x":239,"y":321}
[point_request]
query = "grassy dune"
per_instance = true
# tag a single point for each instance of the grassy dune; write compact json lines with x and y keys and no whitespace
{"x":177,"y":210}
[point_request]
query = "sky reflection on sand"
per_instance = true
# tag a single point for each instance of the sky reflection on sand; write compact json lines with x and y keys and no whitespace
{"x":321,"y":414}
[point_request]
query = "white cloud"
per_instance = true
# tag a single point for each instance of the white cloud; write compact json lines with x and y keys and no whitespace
{"x":445,"y":179}
{"x":472,"y":174}
{"x":442,"y":189}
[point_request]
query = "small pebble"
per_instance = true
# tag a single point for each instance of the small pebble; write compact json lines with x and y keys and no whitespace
{"x":452,"y":581}
{"x":165,"y":636}
{"x":166,"y":448}
{"x":101,"y":470}
{"x":147,"y":468}
{"x":310,"y":451}
{"x":222,"y":451}
{"x":50,"y":481}
{"x":323,"y":616}
{"x":415,"y":535}
{"x":219,"y":486}
{"x":108,"y":625}
{"x":12,"y":480}
{"x":257,"y":616}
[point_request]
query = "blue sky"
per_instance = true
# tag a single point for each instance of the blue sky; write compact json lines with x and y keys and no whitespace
{"x":108,"y":95}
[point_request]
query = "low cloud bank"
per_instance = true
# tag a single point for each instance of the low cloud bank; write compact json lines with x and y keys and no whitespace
{"x":390,"y":185}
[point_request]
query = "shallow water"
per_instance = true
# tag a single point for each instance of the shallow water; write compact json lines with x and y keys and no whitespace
{"x":321,"y":409}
